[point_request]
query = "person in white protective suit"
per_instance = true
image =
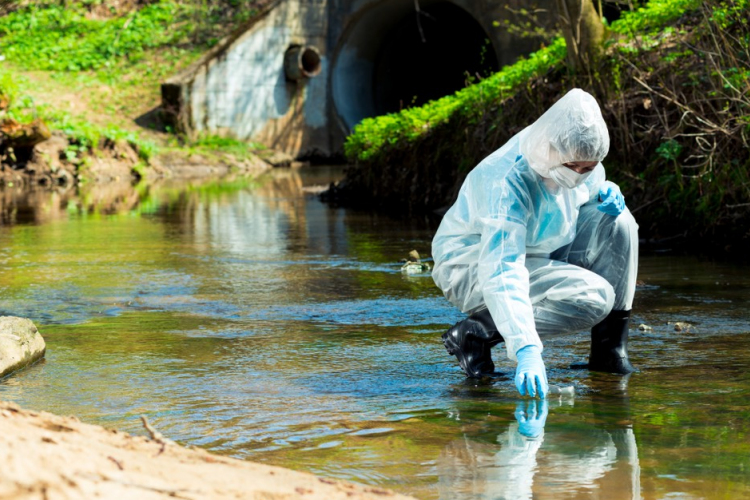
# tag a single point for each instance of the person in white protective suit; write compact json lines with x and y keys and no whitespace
{"x":539,"y":242}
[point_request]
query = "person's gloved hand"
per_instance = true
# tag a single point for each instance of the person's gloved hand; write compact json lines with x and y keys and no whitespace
{"x":531,"y":375}
{"x":612,"y":201}
{"x":531,"y":416}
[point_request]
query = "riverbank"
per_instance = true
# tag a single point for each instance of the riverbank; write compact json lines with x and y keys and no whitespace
{"x":51,"y":456}
{"x":92,"y":113}
{"x":50,"y":164}
{"x":673,"y":87}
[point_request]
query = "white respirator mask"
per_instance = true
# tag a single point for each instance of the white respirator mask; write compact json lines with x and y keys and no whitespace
{"x":567,"y":177}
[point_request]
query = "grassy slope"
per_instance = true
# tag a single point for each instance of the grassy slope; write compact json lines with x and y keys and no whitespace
{"x":92,"y":67}
{"x":660,"y":85}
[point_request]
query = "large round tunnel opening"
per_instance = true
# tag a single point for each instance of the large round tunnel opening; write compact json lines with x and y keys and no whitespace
{"x":394,"y":56}
{"x":430,"y":54}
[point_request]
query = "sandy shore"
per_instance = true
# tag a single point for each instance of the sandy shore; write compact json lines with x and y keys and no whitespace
{"x":46,"y":456}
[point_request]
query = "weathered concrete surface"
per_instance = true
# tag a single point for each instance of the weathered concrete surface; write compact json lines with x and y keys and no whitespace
{"x":240,"y":88}
{"x":46,"y":456}
{"x":20,"y":344}
{"x":375,"y":55}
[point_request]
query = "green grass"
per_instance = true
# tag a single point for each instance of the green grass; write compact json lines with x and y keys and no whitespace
{"x":652,"y":17}
{"x":215,"y":147}
{"x":63,"y":38}
{"x":83,"y":135}
{"x":113,"y":63}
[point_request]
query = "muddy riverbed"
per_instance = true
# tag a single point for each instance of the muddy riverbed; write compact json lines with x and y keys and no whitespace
{"x":250,"y":319}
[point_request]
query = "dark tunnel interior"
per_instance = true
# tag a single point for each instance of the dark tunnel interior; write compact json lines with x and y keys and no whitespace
{"x":430,"y":54}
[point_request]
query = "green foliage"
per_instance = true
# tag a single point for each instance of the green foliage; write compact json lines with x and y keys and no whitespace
{"x":728,"y":13}
{"x":675,"y":92}
{"x":219,"y":142}
{"x":66,"y":36}
{"x":699,"y":167}
{"x":64,"y":39}
{"x":410,"y":124}
{"x":84,"y":137}
{"x":8,"y":86}
{"x":653,"y":17}
{"x":528,"y":23}
{"x":374,"y":134}
{"x":87,"y":43}
{"x":216,"y":146}
{"x":669,"y":150}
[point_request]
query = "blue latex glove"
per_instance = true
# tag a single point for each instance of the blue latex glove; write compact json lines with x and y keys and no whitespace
{"x":531,"y":416}
{"x":612,"y":201}
{"x":531,"y":375}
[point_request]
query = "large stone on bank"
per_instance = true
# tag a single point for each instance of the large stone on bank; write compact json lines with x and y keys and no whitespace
{"x":20,"y":344}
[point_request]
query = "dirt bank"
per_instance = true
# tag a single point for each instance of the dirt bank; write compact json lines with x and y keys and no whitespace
{"x":56,"y":162}
{"x":47,"y":456}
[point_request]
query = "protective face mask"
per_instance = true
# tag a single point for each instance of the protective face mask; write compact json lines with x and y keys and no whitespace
{"x":566,"y":177}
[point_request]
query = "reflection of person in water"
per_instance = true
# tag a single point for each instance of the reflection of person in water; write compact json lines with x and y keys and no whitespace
{"x":591,"y":461}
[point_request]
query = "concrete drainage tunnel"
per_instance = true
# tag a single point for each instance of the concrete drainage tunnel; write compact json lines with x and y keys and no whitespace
{"x":393,"y":56}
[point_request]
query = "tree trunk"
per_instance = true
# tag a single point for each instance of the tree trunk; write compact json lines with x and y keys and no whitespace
{"x":583,"y":30}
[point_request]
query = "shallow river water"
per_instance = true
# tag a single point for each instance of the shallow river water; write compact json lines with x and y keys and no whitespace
{"x":252,"y":320}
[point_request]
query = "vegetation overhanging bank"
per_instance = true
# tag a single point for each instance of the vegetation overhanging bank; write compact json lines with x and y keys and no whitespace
{"x":674,"y":84}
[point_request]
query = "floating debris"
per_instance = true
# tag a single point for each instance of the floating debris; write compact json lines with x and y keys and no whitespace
{"x":557,"y":390}
{"x":681,"y":326}
{"x":414,"y":265}
{"x":644,"y":327}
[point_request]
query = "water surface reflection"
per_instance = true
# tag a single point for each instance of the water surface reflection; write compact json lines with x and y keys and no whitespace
{"x":563,"y":461}
{"x":250,"y":319}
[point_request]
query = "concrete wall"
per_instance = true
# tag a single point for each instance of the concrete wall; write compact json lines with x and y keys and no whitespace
{"x":240,"y":87}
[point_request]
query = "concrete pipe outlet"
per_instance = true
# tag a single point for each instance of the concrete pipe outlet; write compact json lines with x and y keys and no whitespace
{"x":301,"y":62}
{"x":392,"y":57}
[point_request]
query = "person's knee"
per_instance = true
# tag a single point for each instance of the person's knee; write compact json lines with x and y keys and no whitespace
{"x":590,"y":304}
{"x":598,"y":300}
{"x":625,"y":228}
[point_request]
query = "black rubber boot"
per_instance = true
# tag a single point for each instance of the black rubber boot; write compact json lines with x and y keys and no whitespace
{"x":471,"y":341}
{"x":609,"y":344}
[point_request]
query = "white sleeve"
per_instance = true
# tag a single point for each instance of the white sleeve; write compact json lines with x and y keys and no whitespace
{"x":502,"y":274}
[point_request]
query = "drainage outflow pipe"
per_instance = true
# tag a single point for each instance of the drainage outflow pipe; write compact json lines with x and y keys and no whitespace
{"x":301,"y":61}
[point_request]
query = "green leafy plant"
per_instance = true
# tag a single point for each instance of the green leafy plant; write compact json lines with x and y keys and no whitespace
{"x":669,"y":150}
{"x":372,"y":134}
{"x":62,"y":38}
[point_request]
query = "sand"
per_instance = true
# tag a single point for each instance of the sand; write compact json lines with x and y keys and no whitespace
{"x":46,"y":456}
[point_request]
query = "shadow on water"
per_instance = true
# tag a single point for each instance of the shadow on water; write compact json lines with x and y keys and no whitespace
{"x":252,"y":320}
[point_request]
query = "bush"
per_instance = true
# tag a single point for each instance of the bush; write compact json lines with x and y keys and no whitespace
{"x":674,"y":89}
{"x":400,"y":129}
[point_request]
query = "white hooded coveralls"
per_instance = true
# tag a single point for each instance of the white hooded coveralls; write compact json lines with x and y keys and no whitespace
{"x":540,"y":257}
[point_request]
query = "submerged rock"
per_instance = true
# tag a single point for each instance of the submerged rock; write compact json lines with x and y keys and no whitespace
{"x":20,"y":344}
